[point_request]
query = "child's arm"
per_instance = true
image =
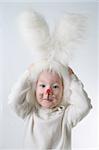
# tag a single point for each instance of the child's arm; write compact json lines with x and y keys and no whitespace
{"x":18,"y":98}
{"x":79,"y":103}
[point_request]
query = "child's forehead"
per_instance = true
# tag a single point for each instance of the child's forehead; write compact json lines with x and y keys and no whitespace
{"x":49,"y":75}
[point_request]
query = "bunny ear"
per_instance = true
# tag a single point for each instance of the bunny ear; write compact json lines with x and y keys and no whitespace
{"x":68,"y":33}
{"x":71,"y":29}
{"x":34,"y":30}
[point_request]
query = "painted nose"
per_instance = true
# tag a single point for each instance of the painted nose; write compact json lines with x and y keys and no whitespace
{"x":49,"y":91}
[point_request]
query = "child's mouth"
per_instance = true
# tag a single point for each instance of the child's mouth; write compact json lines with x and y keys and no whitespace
{"x":48,"y":99}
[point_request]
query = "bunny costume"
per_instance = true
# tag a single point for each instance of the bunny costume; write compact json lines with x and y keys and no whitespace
{"x":50,"y":128}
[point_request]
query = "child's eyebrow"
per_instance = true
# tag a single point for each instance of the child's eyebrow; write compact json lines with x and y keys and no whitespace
{"x":41,"y":81}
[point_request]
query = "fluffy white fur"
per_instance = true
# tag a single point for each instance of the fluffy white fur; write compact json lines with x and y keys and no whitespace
{"x":22,"y":97}
{"x":35,"y":31}
{"x":53,"y":53}
{"x":67,"y":33}
{"x":23,"y":100}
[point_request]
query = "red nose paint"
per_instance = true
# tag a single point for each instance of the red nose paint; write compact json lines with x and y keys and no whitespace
{"x":48,"y":91}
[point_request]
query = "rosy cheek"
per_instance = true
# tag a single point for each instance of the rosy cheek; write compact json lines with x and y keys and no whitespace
{"x":57,"y":91}
{"x":40,"y":91}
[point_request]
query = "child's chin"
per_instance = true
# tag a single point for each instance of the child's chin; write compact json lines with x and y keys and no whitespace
{"x":47,"y":105}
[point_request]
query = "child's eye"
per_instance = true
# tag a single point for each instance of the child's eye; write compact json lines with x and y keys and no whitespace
{"x":42,"y":85}
{"x":55,"y":86}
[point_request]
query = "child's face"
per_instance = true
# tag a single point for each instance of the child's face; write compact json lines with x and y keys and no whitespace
{"x":49,"y":89}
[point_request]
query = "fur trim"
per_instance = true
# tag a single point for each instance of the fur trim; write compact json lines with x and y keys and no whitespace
{"x":54,"y":66}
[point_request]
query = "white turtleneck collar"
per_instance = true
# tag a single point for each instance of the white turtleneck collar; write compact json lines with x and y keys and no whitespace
{"x":46,"y":113}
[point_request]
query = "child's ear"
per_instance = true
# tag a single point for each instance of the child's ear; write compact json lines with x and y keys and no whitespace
{"x":70,"y":71}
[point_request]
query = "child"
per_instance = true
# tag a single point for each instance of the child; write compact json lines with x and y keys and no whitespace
{"x":52,"y":101}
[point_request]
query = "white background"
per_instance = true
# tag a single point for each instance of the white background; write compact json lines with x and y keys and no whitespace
{"x":15,"y":58}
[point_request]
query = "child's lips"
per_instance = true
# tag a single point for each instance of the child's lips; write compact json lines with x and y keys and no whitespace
{"x":48,"y":99}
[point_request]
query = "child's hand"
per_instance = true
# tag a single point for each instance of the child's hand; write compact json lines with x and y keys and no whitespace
{"x":70,"y":71}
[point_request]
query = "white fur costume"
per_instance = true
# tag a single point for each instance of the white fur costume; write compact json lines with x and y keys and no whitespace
{"x":50,"y":128}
